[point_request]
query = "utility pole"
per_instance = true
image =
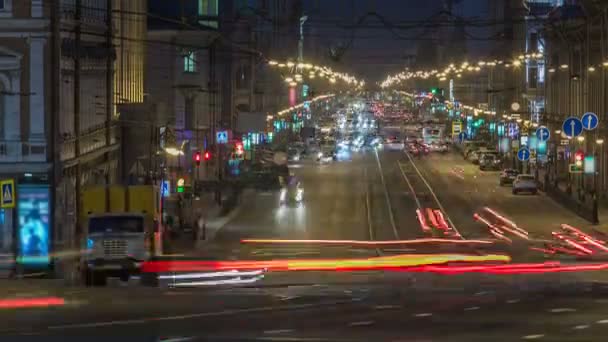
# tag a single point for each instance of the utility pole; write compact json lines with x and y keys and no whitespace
{"x":77,"y":50}
{"x":53,"y":155}
{"x":109,"y":96}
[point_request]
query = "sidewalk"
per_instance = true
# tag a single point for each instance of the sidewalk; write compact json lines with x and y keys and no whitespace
{"x":580,"y":201}
{"x":216,"y":218}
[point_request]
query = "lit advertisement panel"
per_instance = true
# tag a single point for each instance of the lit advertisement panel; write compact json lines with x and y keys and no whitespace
{"x":33,"y":229}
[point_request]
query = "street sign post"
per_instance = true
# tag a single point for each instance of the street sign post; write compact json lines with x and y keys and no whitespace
{"x":542,"y":133}
{"x":523,"y":154}
{"x":7,"y":196}
{"x":590,"y":121}
{"x":572,"y":127}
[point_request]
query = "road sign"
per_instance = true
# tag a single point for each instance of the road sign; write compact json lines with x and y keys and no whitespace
{"x":7,"y":196}
{"x":589,"y":165}
{"x":166,"y":188}
{"x":572,"y":127}
{"x":573,"y":168}
{"x":542,"y":133}
{"x":456,"y":128}
{"x":462,"y":136}
{"x":523,"y":154}
{"x":221,"y":137}
{"x":590,"y":121}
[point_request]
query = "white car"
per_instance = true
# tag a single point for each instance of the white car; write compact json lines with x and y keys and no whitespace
{"x":525,"y":183}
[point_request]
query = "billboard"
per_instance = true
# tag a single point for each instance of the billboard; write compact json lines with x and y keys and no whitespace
{"x":33,"y":230}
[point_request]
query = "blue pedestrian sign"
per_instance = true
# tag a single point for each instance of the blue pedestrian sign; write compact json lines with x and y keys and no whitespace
{"x":572,"y":127}
{"x":462,"y":136}
{"x":523,"y":154}
{"x":7,"y":195}
{"x":166,"y":188}
{"x":590,"y":121}
{"x":221,"y":137}
{"x":542,"y":133}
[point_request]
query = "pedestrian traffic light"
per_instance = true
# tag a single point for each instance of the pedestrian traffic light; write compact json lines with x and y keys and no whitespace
{"x":578,"y":158}
{"x":180,"y":185}
{"x":434,"y":91}
{"x":207,"y":155}
{"x":197,"y":158}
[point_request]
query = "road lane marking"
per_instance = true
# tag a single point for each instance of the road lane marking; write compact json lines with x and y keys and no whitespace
{"x":433,"y":194}
{"x":602,"y":321}
{"x":472,"y":308}
{"x":409,"y":184}
{"x":580,"y":327}
{"x":388,"y":201}
{"x":360,"y":324}
{"x":368,"y":208}
{"x":387,"y":307}
{"x":197,"y":315}
{"x":512,"y":301}
{"x":533,"y":337}
{"x":278,"y":331}
{"x":424,"y":314}
{"x":560,"y":310}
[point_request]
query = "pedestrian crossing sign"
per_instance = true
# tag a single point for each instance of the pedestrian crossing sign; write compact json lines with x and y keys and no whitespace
{"x":7,"y":195}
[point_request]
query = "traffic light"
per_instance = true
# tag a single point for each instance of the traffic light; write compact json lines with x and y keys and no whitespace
{"x":197,"y":158}
{"x":434,"y":91}
{"x":578,"y":158}
{"x":207,"y":156}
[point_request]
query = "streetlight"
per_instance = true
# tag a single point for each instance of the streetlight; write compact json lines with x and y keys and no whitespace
{"x":557,"y":131}
{"x":580,"y":138}
{"x":599,"y":141}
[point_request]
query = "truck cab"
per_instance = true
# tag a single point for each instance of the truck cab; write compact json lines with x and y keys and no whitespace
{"x":119,"y":238}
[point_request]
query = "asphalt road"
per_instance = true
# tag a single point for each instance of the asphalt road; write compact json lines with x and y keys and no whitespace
{"x":387,"y":308}
{"x":364,"y":198}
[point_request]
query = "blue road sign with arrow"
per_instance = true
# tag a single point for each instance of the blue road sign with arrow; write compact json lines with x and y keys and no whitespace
{"x":590,"y":121}
{"x":523,"y":154}
{"x":572,"y":127}
{"x":462,"y":136}
{"x":542,"y":133}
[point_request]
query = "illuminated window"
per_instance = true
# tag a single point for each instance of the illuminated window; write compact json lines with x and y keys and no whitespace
{"x":190,"y":62}
{"x":208,"y":9}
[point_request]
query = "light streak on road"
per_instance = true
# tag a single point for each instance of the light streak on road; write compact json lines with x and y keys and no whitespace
{"x":432,"y":218}
{"x":375,"y":263}
{"x":572,"y":243}
{"x":422,"y":220}
{"x":17,"y":303}
{"x":505,"y":220}
{"x":368,"y":243}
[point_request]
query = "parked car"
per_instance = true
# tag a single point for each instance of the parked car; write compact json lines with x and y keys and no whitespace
{"x":507,"y":176}
{"x":525,"y":183}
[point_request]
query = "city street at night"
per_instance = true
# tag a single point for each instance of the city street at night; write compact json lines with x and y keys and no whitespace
{"x":303,"y":170}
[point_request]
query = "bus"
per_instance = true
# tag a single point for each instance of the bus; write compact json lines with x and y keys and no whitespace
{"x":432,"y":135}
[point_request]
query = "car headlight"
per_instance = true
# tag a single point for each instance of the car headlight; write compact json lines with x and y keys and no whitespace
{"x":283,"y":194}
{"x":320,"y":155}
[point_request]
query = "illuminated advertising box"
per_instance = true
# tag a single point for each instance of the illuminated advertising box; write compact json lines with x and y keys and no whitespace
{"x":33,"y":230}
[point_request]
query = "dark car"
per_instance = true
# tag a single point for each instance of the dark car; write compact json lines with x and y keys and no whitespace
{"x":507,"y":176}
{"x":489,"y":161}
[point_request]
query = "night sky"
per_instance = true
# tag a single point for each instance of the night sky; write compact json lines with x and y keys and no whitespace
{"x":375,"y":51}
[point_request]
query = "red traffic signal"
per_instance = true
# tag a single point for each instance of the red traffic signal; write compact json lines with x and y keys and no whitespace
{"x":197,"y":158}
{"x":207,"y":155}
{"x":578,"y":157}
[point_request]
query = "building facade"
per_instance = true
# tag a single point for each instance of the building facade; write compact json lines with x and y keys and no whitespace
{"x":24,"y":100}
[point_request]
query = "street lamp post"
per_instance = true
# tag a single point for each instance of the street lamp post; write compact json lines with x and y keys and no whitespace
{"x":301,"y":41}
